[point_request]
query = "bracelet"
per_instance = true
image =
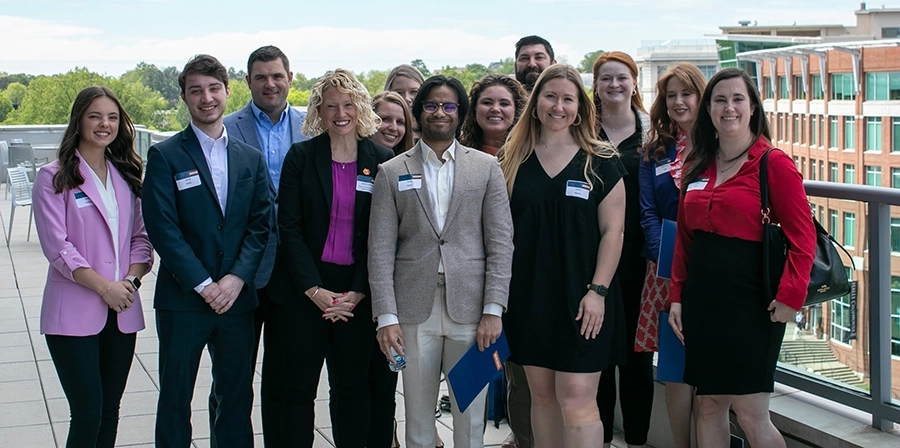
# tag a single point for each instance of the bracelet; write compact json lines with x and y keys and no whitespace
{"x":313,"y":296}
{"x":599,"y":289}
{"x":108,"y":285}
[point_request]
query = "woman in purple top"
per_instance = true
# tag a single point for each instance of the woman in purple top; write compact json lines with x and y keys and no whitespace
{"x":320,"y":282}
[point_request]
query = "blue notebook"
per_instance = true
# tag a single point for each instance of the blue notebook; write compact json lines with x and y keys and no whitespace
{"x":476,"y":369}
{"x":666,"y":249}
{"x":670,"y":362}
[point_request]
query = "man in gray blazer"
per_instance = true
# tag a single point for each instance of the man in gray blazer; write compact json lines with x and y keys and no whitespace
{"x":269,"y":124}
{"x":440,"y":254}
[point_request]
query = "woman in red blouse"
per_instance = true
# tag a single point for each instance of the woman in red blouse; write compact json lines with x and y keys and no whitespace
{"x":732,"y":336}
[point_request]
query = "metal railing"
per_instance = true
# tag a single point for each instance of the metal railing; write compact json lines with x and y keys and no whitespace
{"x":878,"y":401}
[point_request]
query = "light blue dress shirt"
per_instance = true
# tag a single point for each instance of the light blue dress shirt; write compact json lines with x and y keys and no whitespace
{"x":274,"y":139}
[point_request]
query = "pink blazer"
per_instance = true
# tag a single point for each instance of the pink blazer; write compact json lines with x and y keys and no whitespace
{"x":76,"y":234}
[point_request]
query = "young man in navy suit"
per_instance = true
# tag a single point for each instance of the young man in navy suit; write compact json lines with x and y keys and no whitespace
{"x":207,"y":201}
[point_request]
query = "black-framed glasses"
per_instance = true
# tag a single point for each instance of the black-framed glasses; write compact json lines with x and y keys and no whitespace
{"x":432,"y":107}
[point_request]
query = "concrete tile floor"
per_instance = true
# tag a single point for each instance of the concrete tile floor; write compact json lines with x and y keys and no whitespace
{"x":33,"y":409}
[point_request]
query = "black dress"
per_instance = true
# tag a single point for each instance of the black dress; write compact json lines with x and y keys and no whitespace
{"x":556,"y":239}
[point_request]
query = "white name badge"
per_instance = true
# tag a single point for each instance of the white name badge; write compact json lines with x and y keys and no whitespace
{"x":663,"y":167}
{"x":409,"y":182}
{"x":578,"y":189}
{"x":365,"y":184}
{"x":82,"y":200}
{"x":698,"y":184}
{"x":187,"y":179}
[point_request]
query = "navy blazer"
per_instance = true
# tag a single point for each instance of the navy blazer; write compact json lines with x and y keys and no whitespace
{"x":304,"y":216}
{"x":241,"y":125}
{"x":659,"y":200}
{"x":187,"y":227}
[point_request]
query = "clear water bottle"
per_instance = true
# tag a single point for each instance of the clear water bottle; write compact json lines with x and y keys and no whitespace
{"x":396,"y":362}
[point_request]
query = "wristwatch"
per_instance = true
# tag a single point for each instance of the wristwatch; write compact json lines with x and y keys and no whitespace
{"x":135,"y":282}
{"x":599,"y":289}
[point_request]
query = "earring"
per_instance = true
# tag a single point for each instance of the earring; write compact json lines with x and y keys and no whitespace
{"x":634,"y":92}
{"x":534,"y":114}
{"x":577,"y":120}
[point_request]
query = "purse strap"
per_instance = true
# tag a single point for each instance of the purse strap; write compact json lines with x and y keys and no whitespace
{"x":764,"y":210}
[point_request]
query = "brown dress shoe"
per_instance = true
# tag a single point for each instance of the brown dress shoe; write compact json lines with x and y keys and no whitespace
{"x":510,"y":441}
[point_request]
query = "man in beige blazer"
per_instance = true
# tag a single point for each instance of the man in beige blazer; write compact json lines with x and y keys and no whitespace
{"x":440,"y":254}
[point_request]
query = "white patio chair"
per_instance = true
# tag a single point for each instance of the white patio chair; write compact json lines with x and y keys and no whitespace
{"x":21,"y":197}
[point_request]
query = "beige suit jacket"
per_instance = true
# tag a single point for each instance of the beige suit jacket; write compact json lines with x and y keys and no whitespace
{"x":405,"y":245}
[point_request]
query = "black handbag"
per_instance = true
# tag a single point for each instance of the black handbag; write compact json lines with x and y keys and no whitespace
{"x":828,"y":279}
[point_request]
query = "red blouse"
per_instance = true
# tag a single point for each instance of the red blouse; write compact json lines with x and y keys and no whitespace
{"x":733,"y":210}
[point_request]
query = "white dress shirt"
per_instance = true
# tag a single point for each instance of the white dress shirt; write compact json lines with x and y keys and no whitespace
{"x":215,"y":151}
{"x":439,"y":175}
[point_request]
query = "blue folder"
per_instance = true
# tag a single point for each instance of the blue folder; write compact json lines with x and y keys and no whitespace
{"x":476,"y":369}
{"x":670,"y":362}
{"x":666,"y":249}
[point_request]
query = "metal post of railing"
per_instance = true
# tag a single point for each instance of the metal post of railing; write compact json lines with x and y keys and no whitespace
{"x":879,"y":300}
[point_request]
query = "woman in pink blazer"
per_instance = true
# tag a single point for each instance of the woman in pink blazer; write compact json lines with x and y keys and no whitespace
{"x":88,"y":216}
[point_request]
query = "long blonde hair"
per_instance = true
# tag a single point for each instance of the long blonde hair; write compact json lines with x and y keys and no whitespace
{"x":525,"y":134}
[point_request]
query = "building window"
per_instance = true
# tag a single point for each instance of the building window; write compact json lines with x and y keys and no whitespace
{"x":833,"y":222}
{"x":895,"y":236}
{"x":797,"y":162}
{"x":768,"y":93}
{"x":835,"y":122}
{"x":802,"y":166}
{"x":817,"y":92}
{"x":883,"y":86}
{"x":834,"y":172}
{"x":849,"y":173}
{"x":895,"y":315}
{"x":813,"y":130}
{"x":849,"y":229}
{"x":822,"y":172}
{"x":873,"y":134}
{"x":849,"y":134}
{"x":813,"y":166}
{"x":890,"y":32}
{"x":821,"y":214}
{"x":799,"y":91}
{"x":895,"y":134}
{"x":873,"y":176}
{"x":795,"y":129}
{"x":779,"y":129}
{"x":895,"y":177}
{"x":802,"y":129}
{"x":707,"y":70}
{"x":840,"y":319}
{"x":842,"y":87}
{"x":783,"y":92}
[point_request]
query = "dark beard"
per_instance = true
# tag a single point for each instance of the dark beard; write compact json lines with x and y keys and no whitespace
{"x":432,"y":135}
{"x":528,"y":77}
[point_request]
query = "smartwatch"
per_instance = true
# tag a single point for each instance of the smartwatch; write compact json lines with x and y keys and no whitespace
{"x":135,"y":282}
{"x":599,"y":289}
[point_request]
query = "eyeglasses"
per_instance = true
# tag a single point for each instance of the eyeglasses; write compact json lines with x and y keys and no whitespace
{"x":432,"y":107}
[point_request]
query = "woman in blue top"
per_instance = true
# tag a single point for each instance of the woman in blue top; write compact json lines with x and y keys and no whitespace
{"x":672,"y":117}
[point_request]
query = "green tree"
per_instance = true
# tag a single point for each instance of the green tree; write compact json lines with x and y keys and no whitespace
{"x":5,"y":106}
{"x":239,"y":96}
{"x":15,"y":93}
{"x":164,"y":81}
{"x":373,"y":80}
{"x":298,"y":97}
{"x":21,"y":78}
{"x":301,"y":82}
{"x":49,"y":99}
{"x":236,"y":75}
{"x":505,"y":67}
{"x":421,"y":66}
{"x":587,"y":64}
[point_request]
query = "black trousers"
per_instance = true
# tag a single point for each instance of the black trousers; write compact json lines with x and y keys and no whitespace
{"x":93,"y":371}
{"x":269,"y":398}
{"x":182,"y":337}
{"x":305,"y":339}
{"x":383,"y":393}
{"x":636,"y":391}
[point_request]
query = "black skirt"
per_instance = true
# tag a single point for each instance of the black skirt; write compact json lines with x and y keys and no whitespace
{"x":731,"y":344}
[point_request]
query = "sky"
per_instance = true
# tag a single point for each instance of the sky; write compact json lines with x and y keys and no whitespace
{"x":112,"y":36}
